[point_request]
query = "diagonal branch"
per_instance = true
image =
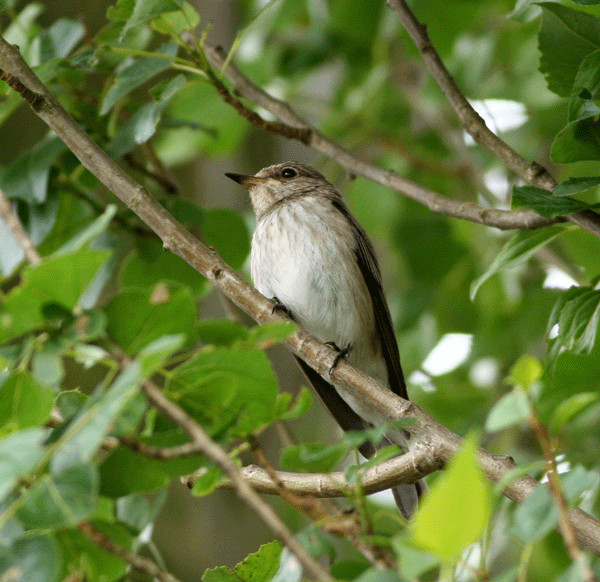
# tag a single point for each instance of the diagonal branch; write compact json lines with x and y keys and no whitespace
{"x":216,"y":454}
{"x":436,"y":438}
{"x":502,"y":219}
{"x":531,"y":172}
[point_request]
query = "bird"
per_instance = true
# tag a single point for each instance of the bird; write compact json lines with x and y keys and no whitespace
{"x":312,"y":257}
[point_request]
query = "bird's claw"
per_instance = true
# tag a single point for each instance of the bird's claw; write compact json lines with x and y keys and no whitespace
{"x":279,"y":306}
{"x":342,"y":354}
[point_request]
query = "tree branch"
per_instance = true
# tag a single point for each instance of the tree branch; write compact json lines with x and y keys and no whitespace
{"x":139,"y":563}
{"x":406,"y":468}
{"x":434,"y":437}
{"x":502,"y":219}
{"x":531,"y":172}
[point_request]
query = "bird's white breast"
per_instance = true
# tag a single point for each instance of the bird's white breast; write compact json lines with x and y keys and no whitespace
{"x":303,"y":254}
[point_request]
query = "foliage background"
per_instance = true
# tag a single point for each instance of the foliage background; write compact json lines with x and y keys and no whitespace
{"x":350,"y":69}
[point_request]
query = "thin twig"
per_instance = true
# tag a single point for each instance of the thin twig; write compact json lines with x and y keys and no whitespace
{"x":565,"y":523}
{"x":13,"y":222}
{"x":350,"y":382}
{"x":532,"y":172}
{"x":139,"y":563}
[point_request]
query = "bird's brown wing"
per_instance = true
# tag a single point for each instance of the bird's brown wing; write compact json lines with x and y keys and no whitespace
{"x":367,"y":262}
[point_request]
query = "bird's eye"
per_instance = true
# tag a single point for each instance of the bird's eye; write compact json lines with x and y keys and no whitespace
{"x":288,"y":173}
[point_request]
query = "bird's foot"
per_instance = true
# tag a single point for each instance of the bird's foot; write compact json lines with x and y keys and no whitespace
{"x":342,"y":354}
{"x":279,"y":306}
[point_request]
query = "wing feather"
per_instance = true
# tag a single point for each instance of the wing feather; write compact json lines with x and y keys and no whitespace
{"x":367,"y":262}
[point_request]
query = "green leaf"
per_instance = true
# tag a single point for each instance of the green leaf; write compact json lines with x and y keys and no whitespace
{"x":88,"y":355}
{"x":152,"y":264}
{"x":44,"y":284}
{"x":413,"y":562}
{"x":18,"y":32}
{"x":32,"y":559}
{"x":152,"y":356}
{"x":24,"y":402}
{"x":137,"y":317}
{"x":316,"y":542}
{"x":314,"y":457}
{"x":578,"y":315}
{"x":226,"y":230}
{"x":570,"y":408}
{"x":60,"y":500}
{"x":517,"y":250}
{"x":83,"y":434}
{"x":143,"y":123}
{"x":210,"y":126}
{"x":93,"y":563}
{"x":174,"y":23}
{"x":525,"y":372}
{"x":124,"y":472}
{"x":513,"y":408}
{"x":578,"y":141}
{"x":457,"y":509}
{"x":376,"y":575}
{"x":545,"y":204}
{"x":137,"y":73}
{"x":535,"y":517}
{"x":301,"y":404}
{"x":26,"y":177}
{"x":47,"y":364}
{"x":139,"y":511}
{"x":348,"y":28}
{"x":586,"y":88}
{"x":59,"y":40}
{"x":19,"y":455}
{"x":260,"y":566}
{"x":576,"y":482}
{"x":576,"y":185}
{"x":228,"y":387}
{"x":576,"y":33}
{"x":89,"y":233}
{"x":221,"y":332}
{"x":145,"y":10}
{"x":208,"y":481}
{"x":264,"y":336}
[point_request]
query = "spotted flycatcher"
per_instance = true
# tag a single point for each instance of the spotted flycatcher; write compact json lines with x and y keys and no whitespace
{"x":313,"y":258}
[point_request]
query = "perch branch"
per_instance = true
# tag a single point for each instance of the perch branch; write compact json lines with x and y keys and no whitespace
{"x":367,"y":392}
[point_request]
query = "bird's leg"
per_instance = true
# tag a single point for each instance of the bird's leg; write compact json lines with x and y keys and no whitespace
{"x":342,"y":353}
{"x":279,"y":306}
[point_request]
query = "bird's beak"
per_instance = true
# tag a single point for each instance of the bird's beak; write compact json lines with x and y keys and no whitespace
{"x":246,"y":181}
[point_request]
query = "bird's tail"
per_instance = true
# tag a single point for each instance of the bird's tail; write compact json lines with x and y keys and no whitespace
{"x":407,"y":497}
